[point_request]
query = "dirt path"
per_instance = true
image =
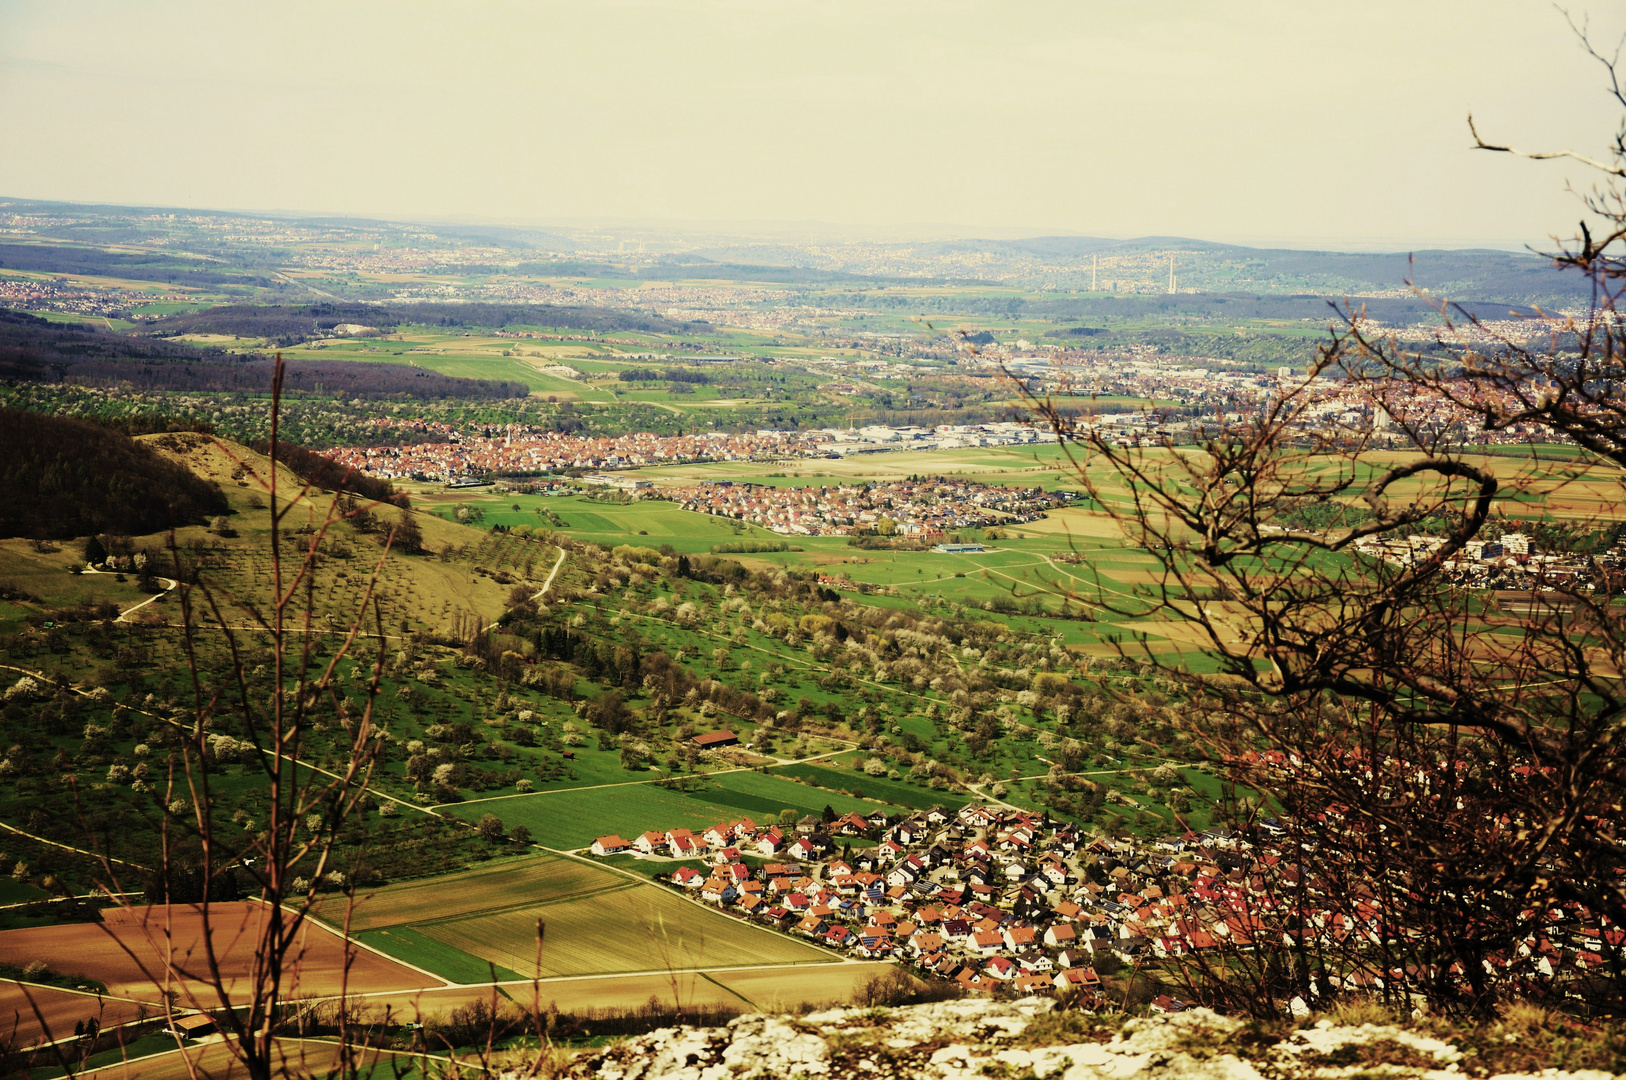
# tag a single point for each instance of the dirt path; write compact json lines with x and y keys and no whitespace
{"x":548,"y":584}
{"x":551,"y":980}
{"x":976,"y":789}
{"x":70,"y":847}
{"x":127,"y":612}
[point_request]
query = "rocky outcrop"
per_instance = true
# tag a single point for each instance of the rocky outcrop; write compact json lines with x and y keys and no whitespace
{"x":981,"y":1038}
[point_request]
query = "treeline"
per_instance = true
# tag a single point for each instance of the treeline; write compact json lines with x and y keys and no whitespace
{"x":152,"y":424}
{"x":323,"y":472}
{"x":137,"y":266}
{"x":749,"y":547}
{"x":35,"y":350}
{"x":287,"y":324}
{"x":62,"y":478}
{"x":678,"y":375}
{"x":328,"y":378}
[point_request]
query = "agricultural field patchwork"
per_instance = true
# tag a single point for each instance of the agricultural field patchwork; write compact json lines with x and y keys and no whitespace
{"x":126,"y":953}
{"x":634,"y":928}
{"x":468,"y":926}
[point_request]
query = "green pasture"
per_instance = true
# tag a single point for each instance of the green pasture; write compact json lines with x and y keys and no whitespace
{"x":572,"y":819}
{"x":897,"y":792}
{"x":418,"y":949}
{"x":642,"y":523}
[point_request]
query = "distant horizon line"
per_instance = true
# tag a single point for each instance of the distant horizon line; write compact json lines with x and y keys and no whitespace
{"x":785,"y":229}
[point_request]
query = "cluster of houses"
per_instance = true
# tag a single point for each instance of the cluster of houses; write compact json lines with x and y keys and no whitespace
{"x":447,"y":451}
{"x":1509,"y":562}
{"x":990,"y":896}
{"x":924,"y":508}
{"x":451,"y":452}
{"x":985,"y":896}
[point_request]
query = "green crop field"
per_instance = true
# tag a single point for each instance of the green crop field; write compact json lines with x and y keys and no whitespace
{"x":461,"y":925}
{"x":645,"y":523}
{"x":572,"y":819}
{"x":758,"y":794}
{"x":527,"y":880}
{"x":879,"y":787}
{"x":420,"y":950}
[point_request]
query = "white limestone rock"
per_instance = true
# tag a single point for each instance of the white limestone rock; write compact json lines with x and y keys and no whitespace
{"x":974,"y":1038}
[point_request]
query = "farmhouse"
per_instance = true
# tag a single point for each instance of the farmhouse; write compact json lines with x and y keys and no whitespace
{"x":713,"y":739}
{"x":649,"y":841}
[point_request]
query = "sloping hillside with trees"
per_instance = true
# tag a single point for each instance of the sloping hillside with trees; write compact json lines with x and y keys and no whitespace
{"x":62,"y":478}
{"x":39,"y":351}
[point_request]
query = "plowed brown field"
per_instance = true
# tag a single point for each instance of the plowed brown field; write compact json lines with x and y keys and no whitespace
{"x":127,"y":953}
{"x":30,"y":1015}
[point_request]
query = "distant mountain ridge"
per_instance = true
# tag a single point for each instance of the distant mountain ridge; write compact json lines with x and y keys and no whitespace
{"x":161,"y":246}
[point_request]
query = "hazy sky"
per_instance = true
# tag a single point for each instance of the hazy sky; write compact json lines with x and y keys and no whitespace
{"x":1298,"y":121}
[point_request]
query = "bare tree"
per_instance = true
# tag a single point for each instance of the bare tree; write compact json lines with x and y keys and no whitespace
{"x":1446,"y":759}
{"x":269,"y":707}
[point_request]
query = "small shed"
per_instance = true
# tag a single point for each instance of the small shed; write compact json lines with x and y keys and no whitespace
{"x":195,"y":1026}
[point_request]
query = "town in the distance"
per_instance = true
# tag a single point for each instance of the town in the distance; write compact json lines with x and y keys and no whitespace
{"x":650,"y":627}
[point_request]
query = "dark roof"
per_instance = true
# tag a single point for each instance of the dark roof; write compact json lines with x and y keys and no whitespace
{"x":716,"y":738}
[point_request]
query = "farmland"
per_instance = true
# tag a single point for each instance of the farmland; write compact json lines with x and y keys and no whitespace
{"x":126,"y":953}
{"x":527,"y":880}
{"x":737,"y":987}
{"x":597,"y":921}
{"x":44,"y":1014}
{"x":633,"y":928}
{"x":573,"y":818}
{"x":215,"y":1061}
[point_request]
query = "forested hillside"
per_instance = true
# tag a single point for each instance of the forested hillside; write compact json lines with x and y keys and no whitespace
{"x":37,"y":350}
{"x":61,"y":478}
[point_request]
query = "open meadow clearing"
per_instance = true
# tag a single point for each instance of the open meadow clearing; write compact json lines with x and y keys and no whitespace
{"x":636,"y":928}
{"x":126,"y":953}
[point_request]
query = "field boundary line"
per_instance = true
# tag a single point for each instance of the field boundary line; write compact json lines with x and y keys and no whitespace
{"x":503,"y":909}
{"x":346,"y":938}
{"x":830,"y":964}
{"x":70,"y":847}
{"x":84,"y":993}
{"x":728,"y":989}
